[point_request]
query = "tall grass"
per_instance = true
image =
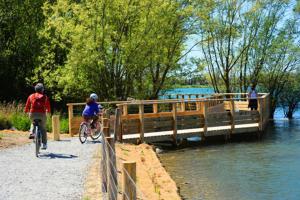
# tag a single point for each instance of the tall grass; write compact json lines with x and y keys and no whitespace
{"x":4,"y":123}
{"x":12,"y":115}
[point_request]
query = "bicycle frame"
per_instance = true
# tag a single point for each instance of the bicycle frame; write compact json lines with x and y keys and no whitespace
{"x":85,"y":130}
{"x":38,"y":136}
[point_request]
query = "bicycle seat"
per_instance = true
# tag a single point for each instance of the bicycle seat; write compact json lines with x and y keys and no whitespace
{"x":36,"y":121}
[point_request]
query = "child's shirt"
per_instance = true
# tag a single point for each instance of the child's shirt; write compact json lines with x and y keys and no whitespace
{"x":91,"y":109}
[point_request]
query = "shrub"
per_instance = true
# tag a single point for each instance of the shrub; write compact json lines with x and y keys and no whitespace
{"x":4,"y":123}
{"x":49,"y":124}
{"x":20,"y":121}
{"x":64,"y":125}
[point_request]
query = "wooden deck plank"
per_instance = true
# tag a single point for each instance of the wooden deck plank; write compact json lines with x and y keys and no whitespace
{"x":211,"y":131}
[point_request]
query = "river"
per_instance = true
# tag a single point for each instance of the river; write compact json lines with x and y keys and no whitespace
{"x":251,"y":169}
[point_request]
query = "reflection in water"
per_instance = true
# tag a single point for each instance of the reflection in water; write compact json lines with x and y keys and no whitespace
{"x":259,"y":169}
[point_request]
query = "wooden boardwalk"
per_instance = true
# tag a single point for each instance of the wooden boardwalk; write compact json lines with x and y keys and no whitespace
{"x":172,"y":119}
{"x":194,"y":132}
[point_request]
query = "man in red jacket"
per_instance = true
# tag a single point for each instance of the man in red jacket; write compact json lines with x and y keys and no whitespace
{"x":38,"y":105}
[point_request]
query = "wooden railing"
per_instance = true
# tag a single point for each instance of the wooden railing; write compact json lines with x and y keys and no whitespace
{"x":217,"y":110}
{"x":176,"y":115}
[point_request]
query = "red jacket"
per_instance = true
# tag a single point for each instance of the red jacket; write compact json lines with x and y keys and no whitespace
{"x":45,"y":107}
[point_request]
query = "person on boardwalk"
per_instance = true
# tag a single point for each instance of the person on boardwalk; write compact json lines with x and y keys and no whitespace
{"x":37,"y":105}
{"x":92,"y":110}
{"x":252,"y":95}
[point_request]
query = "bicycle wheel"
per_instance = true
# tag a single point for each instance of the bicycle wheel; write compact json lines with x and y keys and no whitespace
{"x":83,"y":132}
{"x":97,"y":133}
{"x":37,"y":141}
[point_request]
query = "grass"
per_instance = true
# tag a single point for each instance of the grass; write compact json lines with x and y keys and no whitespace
{"x":4,"y":122}
{"x":12,"y":115}
{"x":20,"y":121}
{"x":64,"y":125}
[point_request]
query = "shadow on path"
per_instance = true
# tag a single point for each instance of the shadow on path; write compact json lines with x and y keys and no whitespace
{"x":57,"y":155}
{"x":64,"y":140}
{"x":93,"y":142}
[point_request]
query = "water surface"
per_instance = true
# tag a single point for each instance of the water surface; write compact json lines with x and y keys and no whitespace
{"x":241,"y":170}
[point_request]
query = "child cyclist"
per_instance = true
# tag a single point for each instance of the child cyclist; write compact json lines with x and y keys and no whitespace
{"x":92,"y":110}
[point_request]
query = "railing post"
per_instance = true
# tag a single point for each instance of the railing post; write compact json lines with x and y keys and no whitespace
{"x":129,"y":180}
{"x":141,"y":117}
{"x":112,"y":182}
{"x":56,"y":127}
{"x":121,"y":124}
{"x":182,"y":103}
{"x":260,"y":126}
{"x":70,"y":113}
{"x":104,"y":166}
{"x":198,"y":106}
{"x":205,"y":108}
{"x":125,"y":109}
{"x":155,"y":108}
{"x":105,"y":124}
{"x":174,"y":114}
{"x":265,"y":112}
{"x":232,"y":111}
{"x":117,"y":125}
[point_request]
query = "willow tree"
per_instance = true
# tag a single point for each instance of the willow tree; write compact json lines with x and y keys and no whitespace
{"x":239,"y":37}
{"x":116,"y":48}
{"x":290,"y":97}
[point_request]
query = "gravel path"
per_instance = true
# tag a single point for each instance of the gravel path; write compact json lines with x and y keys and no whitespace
{"x":58,"y":174}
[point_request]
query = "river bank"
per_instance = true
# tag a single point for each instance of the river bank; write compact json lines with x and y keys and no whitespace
{"x":153,"y":181}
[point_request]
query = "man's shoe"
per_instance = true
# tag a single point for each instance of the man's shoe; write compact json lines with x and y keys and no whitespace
{"x":31,"y":136}
{"x":44,"y":146}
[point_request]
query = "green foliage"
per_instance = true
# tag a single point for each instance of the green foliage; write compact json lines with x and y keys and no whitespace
{"x":4,"y":123}
{"x":19,"y":45}
{"x":116,"y":49}
{"x":20,"y":121}
{"x":49,"y":124}
{"x":64,"y":125}
{"x":243,"y":38}
{"x":289,"y":98}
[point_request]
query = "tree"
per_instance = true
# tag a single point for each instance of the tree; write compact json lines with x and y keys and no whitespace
{"x":238,"y":36}
{"x":250,"y":42}
{"x":290,"y":97}
{"x":115,"y":48}
{"x":19,"y":45}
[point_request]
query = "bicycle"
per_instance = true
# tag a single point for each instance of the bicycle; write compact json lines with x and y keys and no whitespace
{"x":37,"y":136}
{"x":86,"y":130}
